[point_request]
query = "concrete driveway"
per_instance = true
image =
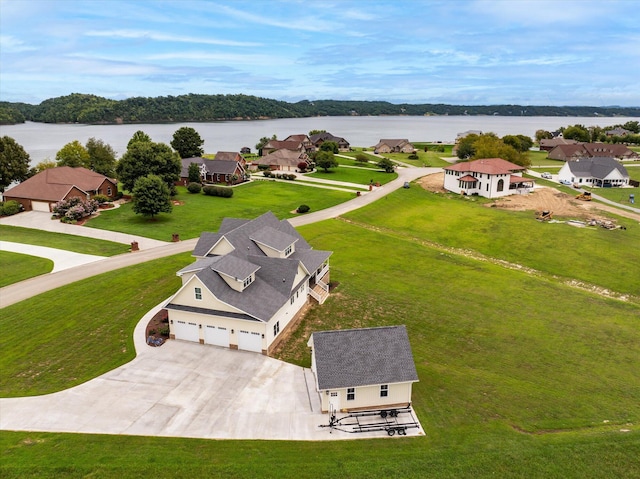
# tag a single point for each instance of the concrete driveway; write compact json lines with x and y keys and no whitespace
{"x":184,"y":389}
{"x":40,"y":220}
{"x":62,"y":259}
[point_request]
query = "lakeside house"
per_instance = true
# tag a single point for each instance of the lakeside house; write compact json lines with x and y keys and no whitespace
{"x":605,"y":172}
{"x":489,"y":177}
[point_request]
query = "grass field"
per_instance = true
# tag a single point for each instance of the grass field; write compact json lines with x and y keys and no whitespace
{"x":362,"y":176}
{"x":521,"y":375}
{"x":18,"y":267}
{"x":204,"y":213}
{"x":77,"y":244}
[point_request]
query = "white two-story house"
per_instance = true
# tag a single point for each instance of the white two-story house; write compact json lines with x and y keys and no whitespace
{"x":489,"y":177}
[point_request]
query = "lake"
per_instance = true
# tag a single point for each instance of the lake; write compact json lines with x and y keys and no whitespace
{"x":43,"y":140}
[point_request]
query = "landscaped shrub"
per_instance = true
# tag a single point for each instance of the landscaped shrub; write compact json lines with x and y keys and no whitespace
{"x":302,"y":166}
{"x":291,"y":176}
{"x":263,"y":167}
{"x":218,"y":191}
{"x":303,"y":209}
{"x":101,"y":199}
{"x":9,"y":208}
{"x":194,"y":187}
{"x":413,"y":156}
{"x":74,"y":209}
{"x":362,"y":158}
{"x":267,"y":174}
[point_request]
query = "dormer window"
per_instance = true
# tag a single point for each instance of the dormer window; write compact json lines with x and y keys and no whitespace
{"x":287,"y":251}
{"x":247,"y":281}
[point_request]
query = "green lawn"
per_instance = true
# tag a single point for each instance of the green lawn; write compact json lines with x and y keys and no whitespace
{"x":204,"y":213}
{"x":77,"y":244}
{"x":520,"y":374}
{"x":619,"y":195}
{"x":17,"y":267}
{"x":82,"y":330}
{"x":362,"y":176}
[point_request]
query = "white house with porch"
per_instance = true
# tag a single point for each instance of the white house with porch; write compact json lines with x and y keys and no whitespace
{"x":605,"y":172}
{"x":249,"y":284}
{"x":489,"y":177}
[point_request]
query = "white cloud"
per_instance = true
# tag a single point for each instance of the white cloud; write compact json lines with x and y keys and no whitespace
{"x":9,"y":44}
{"x":162,"y":37}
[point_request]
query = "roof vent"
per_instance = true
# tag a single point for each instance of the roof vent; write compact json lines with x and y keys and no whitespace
{"x":283,"y":280}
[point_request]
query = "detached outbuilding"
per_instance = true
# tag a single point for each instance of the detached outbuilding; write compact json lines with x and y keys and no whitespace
{"x":358,"y":369}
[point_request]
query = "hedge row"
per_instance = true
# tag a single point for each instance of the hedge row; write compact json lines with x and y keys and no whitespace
{"x":218,"y":191}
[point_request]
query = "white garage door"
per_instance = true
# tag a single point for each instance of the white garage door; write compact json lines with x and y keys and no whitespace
{"x":40,"y":206}
{"x":250,"y":341}
{"x":186,"y":331}
{"x":216,"y":335}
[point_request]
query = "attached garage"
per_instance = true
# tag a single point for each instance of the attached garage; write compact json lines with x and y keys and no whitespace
{"x":186,"y":331}
{"x":216,"y":335}
{"x":250,"y":341}
{"x":40,"y":206}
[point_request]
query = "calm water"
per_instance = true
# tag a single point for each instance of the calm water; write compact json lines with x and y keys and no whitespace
{"x":43,"y":141}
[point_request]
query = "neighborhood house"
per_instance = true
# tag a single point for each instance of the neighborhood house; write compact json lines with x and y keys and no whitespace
{"x":227,"y":167}
{"x":249,"y":284}
{"x":591,"y":150}
{"x":394,"y":146}
{"x":42,"y":191}
{"x":357,"y":369}
{"x":599,"y":171}
{"x":490,"y":177}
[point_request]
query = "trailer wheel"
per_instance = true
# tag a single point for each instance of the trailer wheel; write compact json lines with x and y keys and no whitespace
{"x":393,"y":413}
{"x":383,"y":414}
{"x":402,"y":432}
{"x":391,"y":432}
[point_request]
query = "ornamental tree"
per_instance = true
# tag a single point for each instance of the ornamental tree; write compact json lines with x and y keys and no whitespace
{"x":325,"y":160}
{"x":387,"y":165}
{"x":14,"y":162}
{"x":187,"y":142}
{"x":151,"y":196}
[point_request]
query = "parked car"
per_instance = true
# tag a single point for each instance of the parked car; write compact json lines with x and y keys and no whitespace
{"x":546,"y":175}
{"x":565,"y":182}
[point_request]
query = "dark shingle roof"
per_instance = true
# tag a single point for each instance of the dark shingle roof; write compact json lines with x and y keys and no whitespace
{"x":363,"y":357}
{"x":235,"y":267}
{"x":597,"y":167}
{"x":273,"y":238}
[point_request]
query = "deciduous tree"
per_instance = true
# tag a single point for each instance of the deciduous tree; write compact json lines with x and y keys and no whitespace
{"x":264,"y":140}
{"x":187,"y":142}
{"x":331,"y":146}
{"x":73,"y":154}
{"x":139,"y":136}
{"x":151,"y":196}
{"x":146,"y":157}
{"x":387,"y":165}
{"x":14,"y":162}
{"x":325,"y":160}
{"x":102,"y":158}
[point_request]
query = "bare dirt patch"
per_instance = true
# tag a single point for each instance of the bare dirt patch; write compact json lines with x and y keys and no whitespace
{"x":542,"y":199}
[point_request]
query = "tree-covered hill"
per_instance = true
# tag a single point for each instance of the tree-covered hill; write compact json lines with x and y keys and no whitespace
{"x":92,"y":109}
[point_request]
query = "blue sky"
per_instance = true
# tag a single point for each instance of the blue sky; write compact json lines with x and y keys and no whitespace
{"x":480,"y":52}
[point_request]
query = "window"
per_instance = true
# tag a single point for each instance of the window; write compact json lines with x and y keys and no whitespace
{"x":351,"y":394}
{"x":384,"y":390}
{"x":287,"y":252}
{"x":293,"y":298}
{"x":198,"y":292}
{"x":276,"y":328}
{"x":248,"y":281}
{"x":109,"y":191}
{"x":500,"y":185}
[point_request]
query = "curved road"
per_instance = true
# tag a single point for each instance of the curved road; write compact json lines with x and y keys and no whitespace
{"x":25,"y":289}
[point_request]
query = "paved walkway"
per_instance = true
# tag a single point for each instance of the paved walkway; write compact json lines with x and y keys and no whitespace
{"x":185,"y":389}
{"x":62,"y":259}
{"x":40,"y":220}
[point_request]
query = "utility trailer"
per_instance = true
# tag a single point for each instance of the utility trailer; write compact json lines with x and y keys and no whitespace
{"x":393,"y":420}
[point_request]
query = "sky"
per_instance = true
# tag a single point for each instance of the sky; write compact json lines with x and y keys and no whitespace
{"x":476,"y":52}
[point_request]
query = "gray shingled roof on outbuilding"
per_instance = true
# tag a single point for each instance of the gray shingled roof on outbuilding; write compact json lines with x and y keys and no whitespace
{"x":363,"y":357}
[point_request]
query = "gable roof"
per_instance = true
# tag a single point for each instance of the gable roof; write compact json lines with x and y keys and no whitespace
{"x":363,"y":357}
{"x":282,"y":158}
{"x":491,"y":166}
{"x":222,"y":167}
{"x":393,"y":143}
{"x":597,"y":167}
{"x":53,"y":184}
{"x":280,"y":144}
{"x":228,"y":156}
{"x":591,"y":150}
{"x":274,"y":277}
{"x":326,"y":136}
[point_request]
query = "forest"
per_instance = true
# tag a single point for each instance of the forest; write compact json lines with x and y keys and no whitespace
{"x":92,"y":109}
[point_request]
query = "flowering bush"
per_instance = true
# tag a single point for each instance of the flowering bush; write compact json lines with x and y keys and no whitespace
{"x":74,"y":209}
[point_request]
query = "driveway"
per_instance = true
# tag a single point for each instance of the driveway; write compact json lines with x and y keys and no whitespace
{"x":184,"y":389}
{"x":61,"y":259}
{"x":40,"y":220}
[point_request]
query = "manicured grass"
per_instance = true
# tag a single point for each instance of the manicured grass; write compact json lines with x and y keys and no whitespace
{"x":17,"y":267}
{"x":78,"y":244}
{"x":497,"y":351}
{"x":204,"y":213}
{"x":594,"y":456}
{"x":343,"y":161}
{"x":539,"y":158}
{"x":429,"y":158}
{"x":74,"y":333}
{"x":619,"y":195}
{"x":360,"y":176}
{"x":514,"y":236}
